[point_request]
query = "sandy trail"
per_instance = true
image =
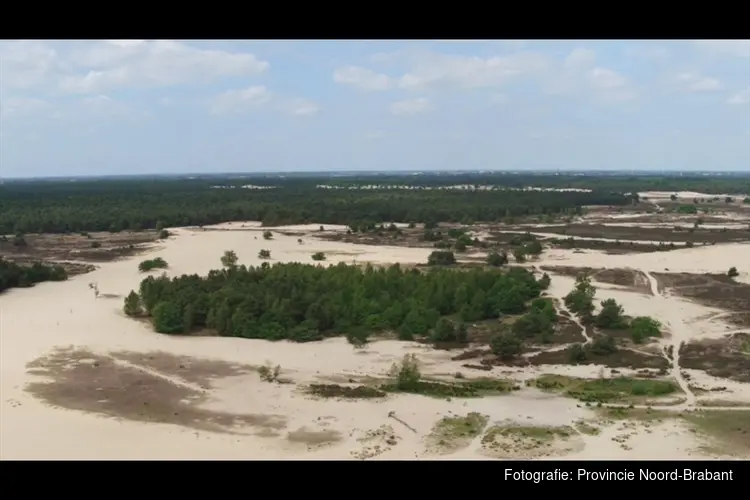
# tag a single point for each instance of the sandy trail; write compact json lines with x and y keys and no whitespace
{"x":36,"y":321}
{"x":680,"y":332}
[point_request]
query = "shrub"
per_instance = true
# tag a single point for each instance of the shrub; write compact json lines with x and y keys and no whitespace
{"x":643,"y":327}
{"x":441,"y":258}
{"x":497,"y":259}
{"x":318,"y":256}
{"x":148,"y":265}
{"x":506,"y":345}
{"x":733,"y":273}
{"x":267,"y":235}
{"x":406,"y":373}
{"x":264,"y":254}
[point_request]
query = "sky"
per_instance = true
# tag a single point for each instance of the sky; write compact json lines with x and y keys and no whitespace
{"x":122,"y":107}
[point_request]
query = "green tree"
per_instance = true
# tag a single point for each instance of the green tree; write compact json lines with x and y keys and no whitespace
{"x":610,"y":316}
{"x":229,"y":259}
{"x":264,"y":254}
{"x":506,"y":345}
{"x":643,"y":327}
{"x":133,"y":304}
{"x":497,"y":259}
{"x":168,"y":318}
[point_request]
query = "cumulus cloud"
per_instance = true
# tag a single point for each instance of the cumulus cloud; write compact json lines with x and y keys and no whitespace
{"x":739,"y":48}
{"x":159,"y":63}
{"x":411,"y":106}
{"x":472,"y":72}
{"x":693,"y":82}
{"x":300,"y":107}
{"x":95,"y":67}
{"x":362,"y":78}
{"x":233,"y":101}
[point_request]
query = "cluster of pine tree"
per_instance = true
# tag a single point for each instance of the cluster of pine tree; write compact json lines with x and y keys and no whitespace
{"x":13,"y":275}
{"x":303,"y":302}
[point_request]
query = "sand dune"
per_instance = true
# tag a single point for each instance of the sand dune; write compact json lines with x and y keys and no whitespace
{"x":277,"y":420}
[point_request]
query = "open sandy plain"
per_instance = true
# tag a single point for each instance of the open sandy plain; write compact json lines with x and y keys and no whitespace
{"x":80,"y":380}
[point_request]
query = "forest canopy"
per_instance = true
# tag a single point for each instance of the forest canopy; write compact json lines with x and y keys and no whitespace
{"x":115,"y":205}
{"x":302,"y":302}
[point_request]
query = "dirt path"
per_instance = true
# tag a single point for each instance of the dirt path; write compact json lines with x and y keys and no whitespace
{"x":679,"y":330}
{"x":575,"y":320}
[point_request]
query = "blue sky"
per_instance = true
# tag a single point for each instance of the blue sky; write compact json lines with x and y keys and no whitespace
{"x":131,"y":107}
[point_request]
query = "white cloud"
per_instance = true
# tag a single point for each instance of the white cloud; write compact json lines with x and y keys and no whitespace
{"x":411,"y":106}
{"x":649,"y":52}
{"x":26,"y":64}
{"x":158,"y":63}
{"x":95,"y":67}
{"x":741,"y":97}
{"x":233,"y":101}
{"x":472,"y":72}
{"x":23,"y":106}
{"x":580,"y":59}
{"x":739,"y":48}
{"x":362,"y":78}
{"x":694,"y":82}
{"x":610,"y":85}
{"x":301,"y":107}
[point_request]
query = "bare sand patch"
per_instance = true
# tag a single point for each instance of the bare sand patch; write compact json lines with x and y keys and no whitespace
{"x":201,"y":397}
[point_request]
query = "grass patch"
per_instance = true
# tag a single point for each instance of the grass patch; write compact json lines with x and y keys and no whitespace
{"x":527,"y":441}
{"x":468,"y":389}
{"x":453,"y":433}
{"x":724,"y":431}
{"x":345,"y":392}
{"x":606,"y":390}
{"x":586,"y":428}
{"x":640,"y":414}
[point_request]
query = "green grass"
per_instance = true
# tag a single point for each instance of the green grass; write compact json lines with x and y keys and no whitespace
{"x":469,"y":426}
{"x":725,"y":432}
{"x":345,"y":392}
{"x":475,"y":388}
{"x":606,"y":390}
{"x":519,"y":437}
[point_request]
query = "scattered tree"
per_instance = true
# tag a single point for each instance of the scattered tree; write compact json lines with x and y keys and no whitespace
{"x":496,"y":259}
{"x":610,"y":316}
{"x":229,"y":259}
{"x":318,"y":256}
{"x":643,"y":328}
{"x":733,"y":273}
{"x":506,"y":345}
{"x":264,"y":254}
{"x":441,"y":258}
{"x":133,"y":304}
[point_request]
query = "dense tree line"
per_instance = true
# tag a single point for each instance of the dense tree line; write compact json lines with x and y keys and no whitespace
{"x":126,"y":204}
{"x":304,"y":302}
{"x":13,"y":275}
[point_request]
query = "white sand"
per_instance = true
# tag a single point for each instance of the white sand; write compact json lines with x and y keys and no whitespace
{"x":35,"y":321}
